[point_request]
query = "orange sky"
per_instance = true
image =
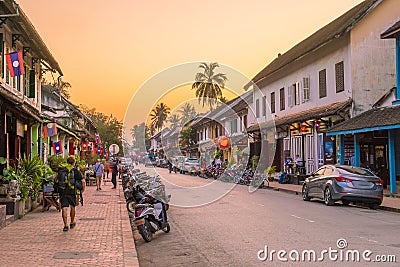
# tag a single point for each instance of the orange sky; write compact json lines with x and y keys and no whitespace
{"x":108,"y":49}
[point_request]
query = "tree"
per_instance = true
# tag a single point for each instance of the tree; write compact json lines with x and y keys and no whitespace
{"x":209,"y":85}
{"x":159,"y":115}
{"x":187,"y":137}
{"x":175,"y":121}
{"x":108,"y":127}
{"x":188,"y":113}
{"x":62,"y":87}
{"x":139,"y":136}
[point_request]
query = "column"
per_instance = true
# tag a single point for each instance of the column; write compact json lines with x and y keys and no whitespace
{"x":357,"y":149}
{"x":392,"y":161}
{"x":341,"y":149}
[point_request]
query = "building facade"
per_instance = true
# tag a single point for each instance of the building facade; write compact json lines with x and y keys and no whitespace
{"x":337,"y":73}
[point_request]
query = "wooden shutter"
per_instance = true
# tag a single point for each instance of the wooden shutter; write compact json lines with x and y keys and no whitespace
{"x":32,"y":83}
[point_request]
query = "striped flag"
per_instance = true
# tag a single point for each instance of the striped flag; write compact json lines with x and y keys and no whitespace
{"x":15,"y":63}
{"x":57,"y":148}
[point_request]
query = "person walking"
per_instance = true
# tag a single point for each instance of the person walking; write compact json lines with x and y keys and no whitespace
{"x":114,"y":168}
{"x":108,"y":168}
{"x":98,"y":169}
{"x":67,"y":180}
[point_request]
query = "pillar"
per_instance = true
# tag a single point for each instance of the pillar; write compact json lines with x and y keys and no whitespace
{"x":341,"y":149}
{"x":392,"y":161}
{"x":357,"y":150}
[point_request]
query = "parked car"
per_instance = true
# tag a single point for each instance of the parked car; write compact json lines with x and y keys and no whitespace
{"x":345,"y":183}
{"x":191,"y":165}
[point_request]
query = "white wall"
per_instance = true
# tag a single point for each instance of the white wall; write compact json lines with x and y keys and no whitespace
{"x":373,"y":59}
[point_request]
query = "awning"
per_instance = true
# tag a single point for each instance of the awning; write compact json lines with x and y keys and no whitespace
{"x":384,"y":118}
{"x":67,"y":131}
{"x":305,"y":115}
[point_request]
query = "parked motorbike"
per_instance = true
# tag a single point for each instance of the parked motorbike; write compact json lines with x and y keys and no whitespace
{"x":150,"y":213}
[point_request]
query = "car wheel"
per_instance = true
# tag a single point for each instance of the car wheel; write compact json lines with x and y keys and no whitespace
{"x":373,"y":206}
{"x":304,"y":193}
{"x":345,"y":202}
{"x":328,"y":197}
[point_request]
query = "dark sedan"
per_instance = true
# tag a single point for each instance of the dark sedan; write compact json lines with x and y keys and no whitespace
{"x":332,"y":183}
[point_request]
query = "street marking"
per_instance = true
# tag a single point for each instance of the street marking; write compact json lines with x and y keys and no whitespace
{"x":302,"y":218}
{"x":369,"y":240}
{"x":261,"y":205}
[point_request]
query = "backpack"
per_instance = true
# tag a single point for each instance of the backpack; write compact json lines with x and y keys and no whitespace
{"x":64,"y":180}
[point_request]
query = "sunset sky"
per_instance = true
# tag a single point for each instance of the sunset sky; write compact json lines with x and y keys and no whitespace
{"x":108,"y":49}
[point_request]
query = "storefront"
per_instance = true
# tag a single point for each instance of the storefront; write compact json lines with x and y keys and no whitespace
{"x":372,"y":140}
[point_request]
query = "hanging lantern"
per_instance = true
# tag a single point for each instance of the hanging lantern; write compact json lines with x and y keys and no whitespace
{"x":223,"y":142}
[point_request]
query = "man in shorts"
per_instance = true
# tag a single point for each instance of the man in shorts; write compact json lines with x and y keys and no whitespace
{"x":98,"y":169}
{"x":68,"y":196}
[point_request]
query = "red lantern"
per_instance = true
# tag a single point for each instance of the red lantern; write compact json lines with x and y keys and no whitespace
{"x":224,"y":142}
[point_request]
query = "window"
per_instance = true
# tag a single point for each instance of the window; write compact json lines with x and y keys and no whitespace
{"x":306,"y":89}
{"x":245,"y":121}
{"x":322,"y":83}
{"x":273,"y":102}
{"x":297,"y":93}
{"x":282,"y":98}
{"x":290,"y":95}
{"x":257,"y":108}
{"x":339,"y":73}
{"x":264,"y":106}
{"x":234,"y":126}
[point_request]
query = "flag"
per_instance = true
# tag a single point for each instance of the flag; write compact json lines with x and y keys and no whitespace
{"x":49,"y":130}
{"x":15,"y":63}
{"x":99,"y":150}
{"x":97,"y":139}
{"x":57,"y":148}
{"x":85,"y":146}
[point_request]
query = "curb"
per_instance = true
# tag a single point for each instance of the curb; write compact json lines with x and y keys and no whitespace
{"x":290,"y":191}
{"x":130,"y":255}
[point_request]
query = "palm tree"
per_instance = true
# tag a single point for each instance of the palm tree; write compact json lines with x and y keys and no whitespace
{"x":139,"y":135}
{"x":175,"y":121}
{"x":208,"y":85}
{"x":188,"y":112}
{"x":159,"y":115}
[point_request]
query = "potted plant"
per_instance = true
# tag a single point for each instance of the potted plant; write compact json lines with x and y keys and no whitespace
{"x":271,"y":170}
{"x":3,"y":180}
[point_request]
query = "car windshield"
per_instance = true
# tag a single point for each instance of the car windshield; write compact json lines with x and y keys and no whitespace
{"x":354,"y":170}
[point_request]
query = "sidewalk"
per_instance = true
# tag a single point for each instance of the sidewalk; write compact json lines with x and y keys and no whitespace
{"x":389,"y":203}
{"x":102,"y":236}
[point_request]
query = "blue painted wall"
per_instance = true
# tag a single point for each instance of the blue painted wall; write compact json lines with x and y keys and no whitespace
{"x":397,"y":149}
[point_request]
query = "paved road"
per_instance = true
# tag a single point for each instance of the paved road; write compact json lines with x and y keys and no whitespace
{"x":232,"y":230}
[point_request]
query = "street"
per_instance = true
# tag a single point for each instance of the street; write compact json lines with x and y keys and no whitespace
{"x":232,"y":230}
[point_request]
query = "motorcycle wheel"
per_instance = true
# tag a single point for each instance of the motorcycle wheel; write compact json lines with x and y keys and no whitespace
{"x":145,"y":231}
{"x":130,"y":206}
{"x":167,"y":228}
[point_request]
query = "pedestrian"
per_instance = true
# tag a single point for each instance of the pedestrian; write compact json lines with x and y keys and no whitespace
{"x":169,"y":165}
{"x":107,"y":168}
{"x":98,"y":169}
{"x":114,"y":168}
{"x":68,"y":177}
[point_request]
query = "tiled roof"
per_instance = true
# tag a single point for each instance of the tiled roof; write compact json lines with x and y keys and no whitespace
{"x":377,"y":117}
{"x":333,"y":31}
{"x":313,"y":113}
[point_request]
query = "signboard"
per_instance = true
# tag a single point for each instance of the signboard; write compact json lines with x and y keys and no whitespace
{"x":114,"y":149}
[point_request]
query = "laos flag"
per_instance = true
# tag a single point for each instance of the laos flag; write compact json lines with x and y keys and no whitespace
{"x":15,"y":63}
{"x":57,"y":147}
